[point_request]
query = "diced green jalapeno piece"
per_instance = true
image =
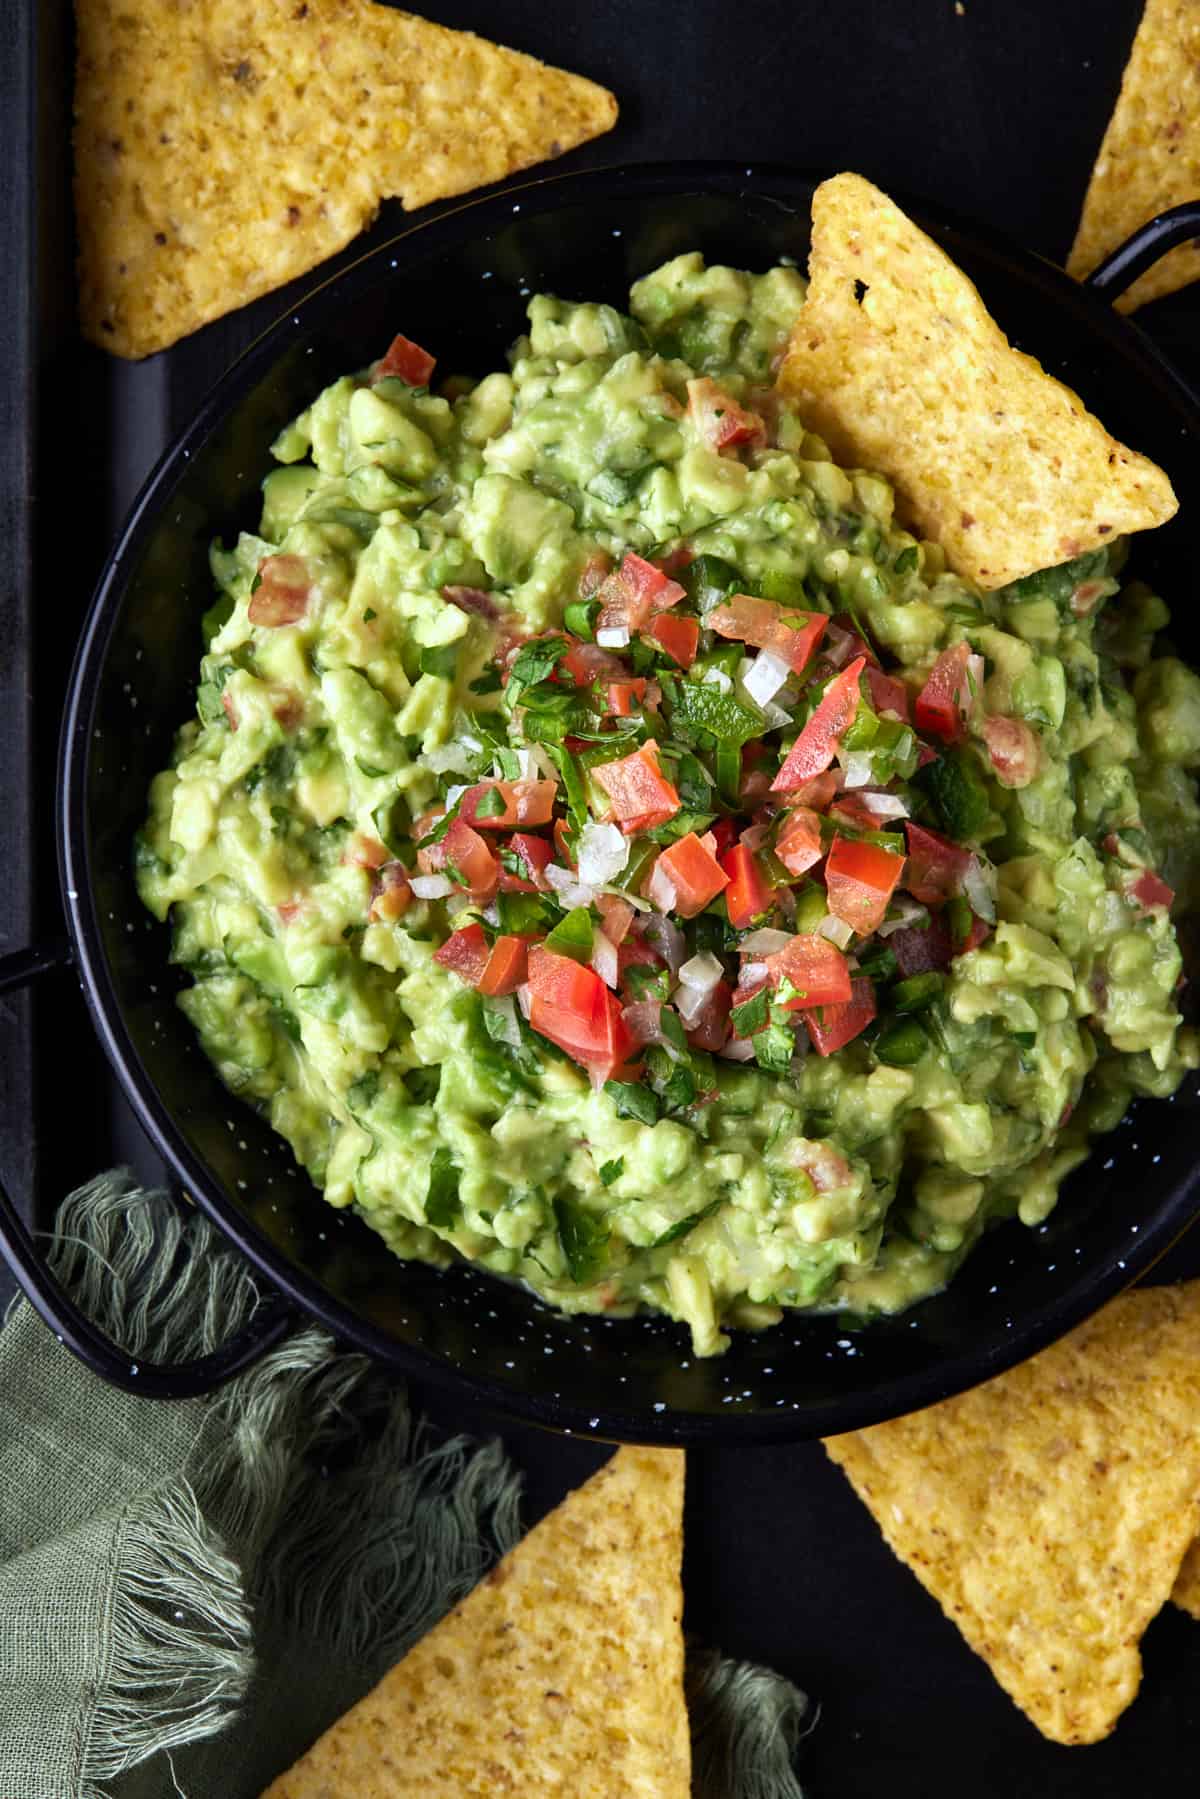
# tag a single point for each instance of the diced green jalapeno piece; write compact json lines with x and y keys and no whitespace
{"x":901,"y":1044}
{"x":917,"y":992}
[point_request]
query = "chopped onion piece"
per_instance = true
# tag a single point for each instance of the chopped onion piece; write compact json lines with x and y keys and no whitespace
{"x":665,"y":937}
{"x":603,"y":854}
{"x":765,"y":942}
{"x":545,"y":767}
{"x":976,"y":674}
{"x":716,"y":677}
{"x":836,"y":929}
{"x":643,"y":1020}
{"x":754,"y":971}
{"x":754,"y":836}
{"x":689,"y":1002}
{"x":458,"y":902}
{"x":491,"y":914}
{"x":765,"y":676}
{"x":569,"y":888}
{"x":605,"y":959}
{"x":661,"y":889}
{"x":835,"y":645}
{"x":775,"y":716}
{"x":429,"y":887}
{"x":525,"y":998}
{"x":453,"y":795}
{"x":902,"y":913}
{"x":702,"y":972}
{"x":613,"y":637}
{"x":977,"y":889}
{"x":738,"y":1049}
{"x":857,"y":769}
{"x":886,"y":805}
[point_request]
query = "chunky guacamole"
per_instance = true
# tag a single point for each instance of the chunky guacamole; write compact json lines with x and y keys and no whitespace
{"x":610,"y":849}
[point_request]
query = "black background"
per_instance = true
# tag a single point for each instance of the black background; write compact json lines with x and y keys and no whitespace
{"x":996,"y":113}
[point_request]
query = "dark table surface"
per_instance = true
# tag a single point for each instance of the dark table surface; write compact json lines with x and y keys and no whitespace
{"x":995,"y":112}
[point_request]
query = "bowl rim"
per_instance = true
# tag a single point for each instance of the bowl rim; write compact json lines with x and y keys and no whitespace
{"x":456,"y":227}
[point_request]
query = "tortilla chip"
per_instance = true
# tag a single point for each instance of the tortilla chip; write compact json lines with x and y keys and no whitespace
{"x":224,"y":146}
{"x":1048,"y":1511}
{"x":562,"y":1673}
{"x":1186,"y":1591}
{"x":895,"y":361}
{"x":1150,"y":157}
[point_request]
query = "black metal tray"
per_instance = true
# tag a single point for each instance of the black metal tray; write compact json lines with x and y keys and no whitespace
{"x":995,"y":112}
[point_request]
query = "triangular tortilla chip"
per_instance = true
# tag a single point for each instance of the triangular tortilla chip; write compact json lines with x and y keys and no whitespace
{"x":224,"y":146}
{"x":1150,"y":157}
{"x":1048,"y":1511}
{"x":895,"y":361}
{"x":562,"y":1673}
{"x":1186,"y":1591}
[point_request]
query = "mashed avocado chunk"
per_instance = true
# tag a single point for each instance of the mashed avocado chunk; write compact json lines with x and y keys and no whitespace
{"x":610,"y":849}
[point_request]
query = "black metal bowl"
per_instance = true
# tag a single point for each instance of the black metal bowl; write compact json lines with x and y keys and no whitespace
{"x":460,"y":284}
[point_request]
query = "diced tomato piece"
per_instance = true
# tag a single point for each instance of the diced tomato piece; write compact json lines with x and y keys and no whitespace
{"x":465,"y":857}
{"x":799,"y":844}
{"x":944,"y":701}
{"x":832,"y":1027}
{"x":694,"y":873}
{"x":977,"y":934}
{"x":407,"y":360}
{"x":588,"y":662}
{"x":641,"y":795}
{"x":754,"y":785}
{"x":525,"y":803}
{"x":570,"y":1005}
{"x":646,"y":581}
{"x":817,"y":793}
{"x":815,"y":967}
{"x":792,"y":636}
{"x":365,"y":851}
{"x":711,"y":1029}
{"x":282,"y":593}
{"x":679,"y":637}
{"x":506,"y":967}
{"x":860,"y":879}
{"x":887,"y":694}
{"x":748,"y":893}
{"x":721,"y":423}
{"x":391,"y":895}
{"x":533,"y":853}
{"x":1149,"y":891}
{"x":562,"y":843}
{"x":855,"y":809}
{"x":1014,"y":749}
{"x":814,"y":749}
{"x":675,"y":560}
{"x":936,"y":865}
{"x":616,"y":916}
{"x":623,"y":696}
{"x":465,"y":953}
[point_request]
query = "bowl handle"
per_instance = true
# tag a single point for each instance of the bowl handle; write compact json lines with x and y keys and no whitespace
{"x":1140,"y":252}
{"x":150,"y":1380}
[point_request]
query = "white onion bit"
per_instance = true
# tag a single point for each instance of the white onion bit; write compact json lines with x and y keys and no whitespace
{"x":664,"y":936}
{"x":765,"y":942}
{"x":836,"y":929}
{"x":525,"y":998}
{"x":661,"y":889}
{"x":835,"y":645}
{"x":858,"y":769}
{"x":605,"y":959}
{"x":886,"y":805}
{"x":505,"y":1009}
{"x":738,"y":1049}
{"x":977,"y":889}
{"x":570,"y":890}
{"x":430,"y":887}
{"x":603,"y":854}
{"x":613,"y":637}
{"x":702,"y":972}
{"x":689,"y":1003}
{"x":716,"y":677}
{"x":754,"y":971}
{"x":765,"y":676}
{"x":904,"y":914}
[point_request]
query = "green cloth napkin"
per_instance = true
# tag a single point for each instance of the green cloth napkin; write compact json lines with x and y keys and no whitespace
{"x":190,"y":1592}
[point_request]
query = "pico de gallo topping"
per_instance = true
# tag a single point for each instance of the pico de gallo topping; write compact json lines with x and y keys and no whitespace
{"x":712,"y":825}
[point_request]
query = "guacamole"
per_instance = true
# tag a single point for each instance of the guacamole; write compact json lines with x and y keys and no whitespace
{"x":610,"y":849}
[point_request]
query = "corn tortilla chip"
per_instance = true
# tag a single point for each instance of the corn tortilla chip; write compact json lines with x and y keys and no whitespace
{"x":224,"y":146}
{"x":896,"y":362}
{"x":1186,"y":1591}
{"x":562,"y":1673}
{"x":1048,"y":1511}
{"x":1150,"y":157}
